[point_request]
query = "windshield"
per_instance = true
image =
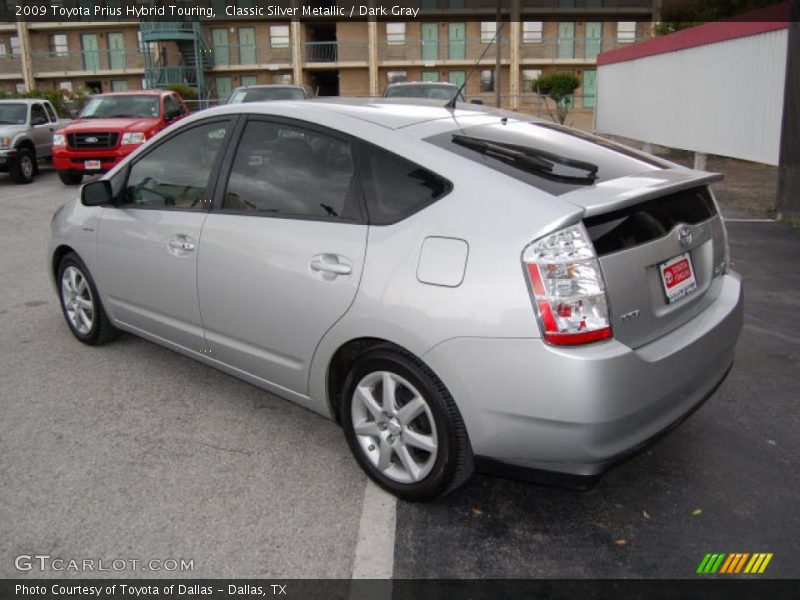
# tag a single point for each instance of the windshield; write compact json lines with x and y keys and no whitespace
{"x":16,"y":113}
{"x":109,"y":107}
{"x":434,"y":92}
{"x":265,"y":94}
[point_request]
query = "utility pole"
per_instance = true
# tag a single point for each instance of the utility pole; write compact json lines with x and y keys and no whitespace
{"x":497,"y":42}
{"x":787,"y":201}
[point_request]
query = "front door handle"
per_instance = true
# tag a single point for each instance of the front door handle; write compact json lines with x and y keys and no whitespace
{"x":330,"y":266}
{"x":181,"y":243}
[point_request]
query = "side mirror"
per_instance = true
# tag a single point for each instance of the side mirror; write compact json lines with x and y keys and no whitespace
{"x":36,"y":121}
{"x":97,"y":193}
{"x":73,"y":113}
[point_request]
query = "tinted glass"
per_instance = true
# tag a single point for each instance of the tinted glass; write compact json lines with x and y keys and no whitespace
{"x":398,"y":188}
{"x":108,"y":107}
{"x":266,"y":94}
{"x":38,"y":112}
{"x":176,"y":172}
{"x":286,"y":170}
{"x":51,"y":113}
{"x":649,"y":220}
{"x":612,"y":160}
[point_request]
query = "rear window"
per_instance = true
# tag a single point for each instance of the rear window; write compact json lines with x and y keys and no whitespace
{"x":266,"y":94}
{"x":578,"y":159}
{"x":396,"y":188}
{"x":650,"y":220}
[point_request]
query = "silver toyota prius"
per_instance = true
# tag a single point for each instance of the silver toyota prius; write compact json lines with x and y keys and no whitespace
{"x":460,"y":288}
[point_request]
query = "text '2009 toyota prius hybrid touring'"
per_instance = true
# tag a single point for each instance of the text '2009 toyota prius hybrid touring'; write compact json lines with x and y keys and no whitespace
{"x":460,"y":288}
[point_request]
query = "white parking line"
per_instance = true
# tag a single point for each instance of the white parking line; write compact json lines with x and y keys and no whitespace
{"x":374,"y":557}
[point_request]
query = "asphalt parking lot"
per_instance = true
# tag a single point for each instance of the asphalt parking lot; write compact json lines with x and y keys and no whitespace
{"x":130,"y":450}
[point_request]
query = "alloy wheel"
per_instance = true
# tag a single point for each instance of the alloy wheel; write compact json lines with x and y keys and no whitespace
{"x":77,"y":298}
{"x":394,"y":427}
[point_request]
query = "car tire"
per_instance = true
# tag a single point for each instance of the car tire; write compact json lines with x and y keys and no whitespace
{"x":418,"y":453}
{"x":23,"y":168}
{"x":70,"y":177}
{"x":81,"y":304}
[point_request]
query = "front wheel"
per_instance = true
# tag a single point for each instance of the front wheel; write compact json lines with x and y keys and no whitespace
{"x":403,"y":426}
{"x":23,"y":168}
{"x":81,"y":303}
{"x":70,"y":177}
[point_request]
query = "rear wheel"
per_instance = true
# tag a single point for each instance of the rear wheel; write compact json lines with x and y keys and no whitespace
{"x":23,"y":168}
{"x":81,"y":303}
{"x":70,"y":177}
{"x":403,"y":426}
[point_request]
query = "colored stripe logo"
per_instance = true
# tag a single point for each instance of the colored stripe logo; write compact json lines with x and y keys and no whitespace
{"x":734,"y":563}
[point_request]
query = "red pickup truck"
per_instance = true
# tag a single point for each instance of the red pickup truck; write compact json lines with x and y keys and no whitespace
{"x":110,"y":127}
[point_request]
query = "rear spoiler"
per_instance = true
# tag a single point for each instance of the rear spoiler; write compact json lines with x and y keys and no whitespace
{"x":626,"y":191}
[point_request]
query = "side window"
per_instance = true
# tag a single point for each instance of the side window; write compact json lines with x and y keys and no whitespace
{"x":176,"y":172}
{"x":397,"y":188}
{"x":51,"y":113}
{"x":171,"y":105}
{"x":287,"y":170}
{"x":37,"y":112}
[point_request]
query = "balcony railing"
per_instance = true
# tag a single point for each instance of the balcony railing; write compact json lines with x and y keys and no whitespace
{"x":344,"y":51}
{"x":92,"y":61}
{"x":443,"y":49}
{"x":11,"y":65}
{"x":249,"y":54}
{"x":567,"y":48}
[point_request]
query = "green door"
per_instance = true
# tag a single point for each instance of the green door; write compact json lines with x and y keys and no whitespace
{"x":223,"y":88}
{"x":430,"y":41}
{"x":456,"y":77}
{"x":430,"y":76}
{"x":91,"y":55}
{"x":589,"y":88}
{"x":593,"y":42}
{"x":248,"y":79}
{"x":456,"y":41}
{"x":566,"y":40}
{"x":116,"y":51}
{"x":221,"y":47}
{"x":247,"y":46}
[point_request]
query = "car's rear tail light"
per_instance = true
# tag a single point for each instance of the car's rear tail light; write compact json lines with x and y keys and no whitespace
{"x":567,"y":287}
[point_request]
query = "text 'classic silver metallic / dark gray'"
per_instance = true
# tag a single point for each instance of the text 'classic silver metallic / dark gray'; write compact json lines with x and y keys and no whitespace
{"x":460,"y":288}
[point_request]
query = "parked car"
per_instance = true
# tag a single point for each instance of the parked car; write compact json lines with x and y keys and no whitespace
{"x":266,"y":93}
{"x":459,"y":289}
{"x":26,"y":136}
{"x":110,"y":127}
{"x":432,"y":90}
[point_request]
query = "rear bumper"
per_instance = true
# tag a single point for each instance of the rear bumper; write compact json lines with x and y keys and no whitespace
{"x":66,"y":159}
{"x":577,"y":410}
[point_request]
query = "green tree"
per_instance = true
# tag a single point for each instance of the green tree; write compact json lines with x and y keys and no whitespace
{"x":558,"y":86}
{"x":683,"y":14}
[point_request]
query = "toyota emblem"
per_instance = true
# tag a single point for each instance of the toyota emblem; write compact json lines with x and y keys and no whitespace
{"x":685,"y":236}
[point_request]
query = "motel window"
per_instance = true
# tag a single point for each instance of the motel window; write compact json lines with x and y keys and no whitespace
{"x":282,"y":78}
{"x":119,"y":85}
{"x":528,"y":77}
{"x":488,"y":31}
{"x":65,"y":85}
{"x":279,"y":36}
{"x":20,"y":87}
{"x":487,"y":80}
{"x":2,"y":48}
{"x":395,"y":76}
{"x":395,"y":33}
{"x":532,"y":32}
{"x":626,"y":32}
{"x":14,"y":41}
{"x":58,"y":44}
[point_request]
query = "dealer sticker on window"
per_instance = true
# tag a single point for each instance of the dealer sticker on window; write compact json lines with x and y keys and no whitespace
{"x":678,"y":278}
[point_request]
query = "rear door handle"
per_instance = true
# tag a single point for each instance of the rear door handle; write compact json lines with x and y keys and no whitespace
{"x":330,"y":264}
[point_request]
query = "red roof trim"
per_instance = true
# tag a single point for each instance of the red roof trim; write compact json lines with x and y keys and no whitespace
{"x":764,"y":20}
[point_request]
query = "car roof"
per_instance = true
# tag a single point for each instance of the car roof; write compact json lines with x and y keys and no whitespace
{"x":136,"y":93}
{"x":392,"y":113}
{"x":270,"y":85}
{"x":430,"y":83}
{"x":23,"y":100}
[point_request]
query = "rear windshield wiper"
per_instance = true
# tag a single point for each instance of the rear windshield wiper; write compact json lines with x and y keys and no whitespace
{"x":537,"y":161}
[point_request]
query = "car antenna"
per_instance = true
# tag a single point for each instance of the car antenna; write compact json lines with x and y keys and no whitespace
{"x":452,"y":103}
